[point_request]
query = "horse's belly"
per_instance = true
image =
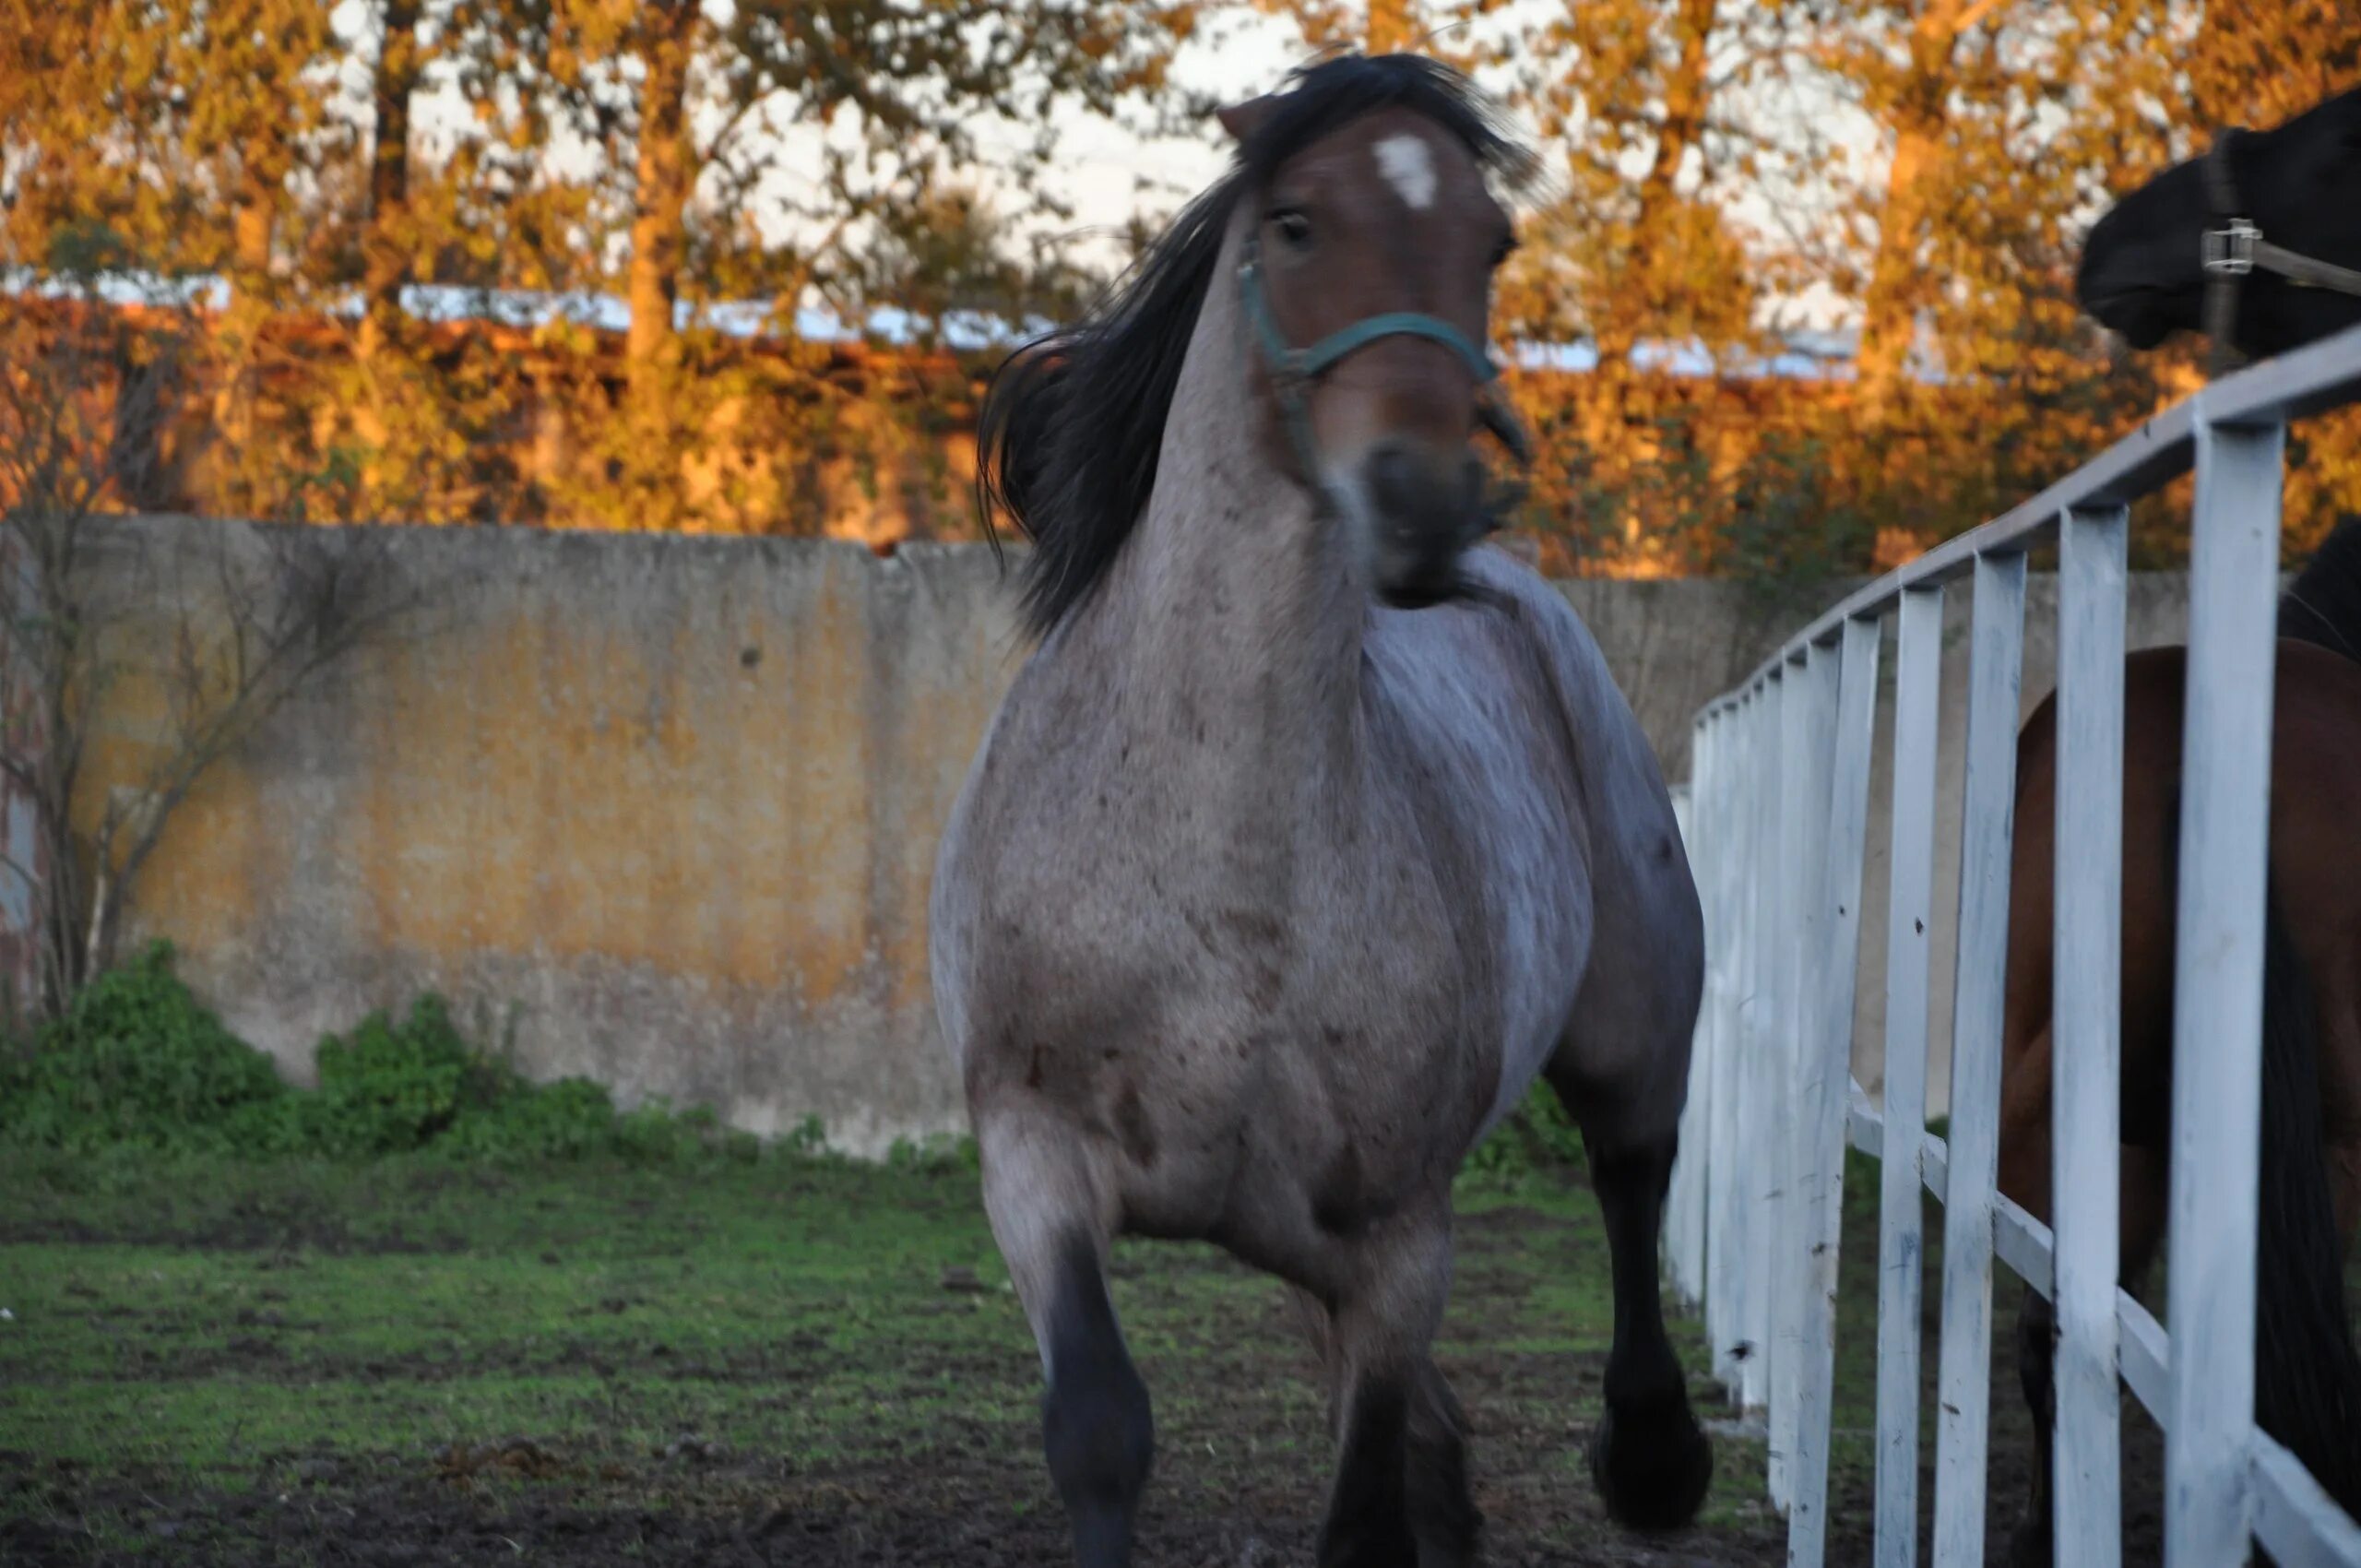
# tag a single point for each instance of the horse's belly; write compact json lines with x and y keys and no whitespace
{"x":1544,"y":925}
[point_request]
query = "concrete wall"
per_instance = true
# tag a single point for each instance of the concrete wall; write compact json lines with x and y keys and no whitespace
{"x":657,"y":810}
{"x":663,"y":810}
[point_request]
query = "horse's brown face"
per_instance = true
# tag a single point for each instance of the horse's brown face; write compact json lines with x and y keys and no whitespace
{"x":1390,"y":213}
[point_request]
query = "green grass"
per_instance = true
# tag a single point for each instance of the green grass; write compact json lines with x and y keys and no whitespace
{"x":714,"y":1340}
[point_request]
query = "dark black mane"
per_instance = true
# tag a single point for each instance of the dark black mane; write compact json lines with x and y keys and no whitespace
{"x":2323,"y":604}
{"x":1068,"y":438}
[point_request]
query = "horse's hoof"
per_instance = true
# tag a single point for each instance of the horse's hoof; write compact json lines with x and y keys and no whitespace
{"x":1362,"y":1547}
{"x":1651,"y":1463}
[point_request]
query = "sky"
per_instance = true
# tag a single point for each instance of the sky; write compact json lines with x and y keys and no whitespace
{"x":1105,"y":174}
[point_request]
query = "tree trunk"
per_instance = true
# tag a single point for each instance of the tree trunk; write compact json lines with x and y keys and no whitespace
{"x":1684,"y":111}
{"x":1685,"y":97}
{"x":1389,"y":26}
{"x":386,"y":245}
{"x":238,"y":331}
{"x":1920,"y":125}
{"x":665,"y":172}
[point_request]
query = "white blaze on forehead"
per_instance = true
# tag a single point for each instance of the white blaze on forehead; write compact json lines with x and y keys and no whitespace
{"x":1409,"y":164}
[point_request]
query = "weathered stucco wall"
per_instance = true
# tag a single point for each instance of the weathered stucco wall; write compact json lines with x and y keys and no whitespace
{"x":663,"y":810}
{"x":657,"y":810}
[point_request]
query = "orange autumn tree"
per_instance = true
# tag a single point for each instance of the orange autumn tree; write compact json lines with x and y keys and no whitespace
{"x":696,"y":112}
{"x":355,"y":194}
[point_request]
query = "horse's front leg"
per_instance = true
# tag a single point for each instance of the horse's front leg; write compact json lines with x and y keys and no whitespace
{"x":1051,"y":1219}
{"x":1401,"y":1498}
{"x":1649,"y":1457}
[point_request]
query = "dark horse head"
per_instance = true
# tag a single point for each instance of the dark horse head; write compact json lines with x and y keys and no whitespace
{"x":1369,"y":237}
{"x":2144,"y":267}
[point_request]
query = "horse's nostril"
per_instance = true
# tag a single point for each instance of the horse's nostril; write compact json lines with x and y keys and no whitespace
{"x":1393,"y":478}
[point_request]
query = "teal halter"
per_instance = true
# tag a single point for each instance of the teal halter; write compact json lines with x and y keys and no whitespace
{"x":1293,"y":370}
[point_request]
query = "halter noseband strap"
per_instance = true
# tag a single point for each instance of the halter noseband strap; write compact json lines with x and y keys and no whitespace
{"x":2237,"y":249}
{"x":1293,"y":369}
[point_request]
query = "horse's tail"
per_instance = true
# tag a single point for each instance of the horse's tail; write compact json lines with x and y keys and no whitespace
{"x":2307,"y":1375}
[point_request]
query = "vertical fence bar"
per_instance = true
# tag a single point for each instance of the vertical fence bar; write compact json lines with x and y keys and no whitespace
{"x":2085,"y":1043}
{"x":1759,"y":1119}
{"x":2217,"y":993}
{"x":1918,"y":693}
{"x":1725,"y":1295}
{"x":1684,"y":1215}
{"x":1713,"y":739}
{"x":1988,"y":812}
{"x":1827,"y":1078}
{"x":1808,"y":722}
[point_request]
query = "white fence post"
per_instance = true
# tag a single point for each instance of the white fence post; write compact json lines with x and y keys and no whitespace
{"x":1986,"y":830}
{"x":1727,"y":1213}
{"x":1833,"y":932}
{"x":2217,"y":993}
{"x":1684,"y":1208}
{"x":1762,"y":1148}
{"x":1784,"y":761}
{"x":1917,"y":691}
{"x":2085,"y":1044}
{"x":1808,"y":732}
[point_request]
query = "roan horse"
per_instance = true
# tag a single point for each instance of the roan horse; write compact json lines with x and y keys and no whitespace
{"x":1269,"y":892}
{"x":2144,"y":273}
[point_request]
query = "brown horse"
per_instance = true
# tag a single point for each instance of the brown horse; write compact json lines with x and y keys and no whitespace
{"x":2307,"y":1384}
{"x":2141,"y":275}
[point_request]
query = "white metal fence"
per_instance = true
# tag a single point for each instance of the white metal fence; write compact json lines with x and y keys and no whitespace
{"x":1776,"y":817}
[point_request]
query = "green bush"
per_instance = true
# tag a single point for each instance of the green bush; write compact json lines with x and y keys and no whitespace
{"x":138,"y":1062}
{"x":387,"y":1088}
{"x":1537,"y":1137}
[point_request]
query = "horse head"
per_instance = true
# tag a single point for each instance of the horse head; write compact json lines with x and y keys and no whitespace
{"x":1357,"y":232}
{"x":2264,"y":221}
{"x":1367,"y":271}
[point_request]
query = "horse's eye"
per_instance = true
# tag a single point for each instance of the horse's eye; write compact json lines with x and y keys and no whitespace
{"x":1292,"y":226}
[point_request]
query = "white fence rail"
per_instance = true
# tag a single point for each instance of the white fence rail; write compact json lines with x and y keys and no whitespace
{"x":1775,"y":819}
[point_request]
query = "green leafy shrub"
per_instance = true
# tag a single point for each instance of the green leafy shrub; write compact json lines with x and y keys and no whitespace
{"x":138,"y":1061}
{"x":565,"y":1120}
{"x":138,"y":1064}
{"x":386,"y":1086}
{"x":1536,"y":1138}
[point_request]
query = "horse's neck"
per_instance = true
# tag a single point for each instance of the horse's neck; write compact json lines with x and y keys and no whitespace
{"x":1234,"y":604}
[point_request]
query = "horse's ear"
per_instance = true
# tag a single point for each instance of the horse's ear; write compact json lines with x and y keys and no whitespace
{"x":1243,"y":120}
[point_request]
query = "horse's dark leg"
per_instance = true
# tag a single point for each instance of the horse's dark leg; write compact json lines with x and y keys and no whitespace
{"x":1443,"y":1506}
{"x":1649,"y":1459}
{"x":2142,"y":1196}
{"x":2036,"y":1361}
{"x":1648,"y":1456}
{"x":1401,"y":1498}
{"x":1052,"y":1230}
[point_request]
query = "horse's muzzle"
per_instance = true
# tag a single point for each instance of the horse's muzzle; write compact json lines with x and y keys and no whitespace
{"x":1427,"y":507}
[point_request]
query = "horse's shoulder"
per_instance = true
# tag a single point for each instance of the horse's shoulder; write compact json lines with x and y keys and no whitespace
{"x":1535,"y":608}
{"x":1563,"y":650}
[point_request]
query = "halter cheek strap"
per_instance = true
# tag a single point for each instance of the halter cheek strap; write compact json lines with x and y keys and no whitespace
{"x":1293,"y":370}
{"x":2236,"y":249}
